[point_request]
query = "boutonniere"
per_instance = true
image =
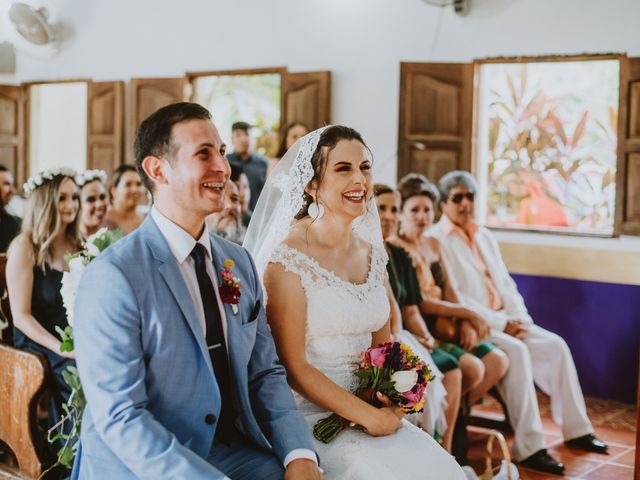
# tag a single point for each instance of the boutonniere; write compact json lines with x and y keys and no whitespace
{"x":230,"y":286}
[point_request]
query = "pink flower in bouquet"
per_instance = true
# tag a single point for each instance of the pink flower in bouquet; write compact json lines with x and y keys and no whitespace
{"x":377,"y":356}
{"x":414,"y":395}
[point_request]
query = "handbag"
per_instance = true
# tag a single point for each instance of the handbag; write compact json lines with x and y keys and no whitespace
{"x":446,"y":329}
{"x":507,"y":471}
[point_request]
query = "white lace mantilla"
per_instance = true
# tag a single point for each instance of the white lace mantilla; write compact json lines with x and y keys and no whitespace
{"x":341,"y":315}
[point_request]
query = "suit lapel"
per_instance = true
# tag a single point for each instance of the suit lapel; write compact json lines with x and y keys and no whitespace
{"x":168,"y":268}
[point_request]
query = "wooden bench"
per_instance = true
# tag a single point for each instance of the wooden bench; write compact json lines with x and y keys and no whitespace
{"x":23,"y":378}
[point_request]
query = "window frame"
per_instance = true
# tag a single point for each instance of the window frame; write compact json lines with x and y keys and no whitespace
{"x":620,"y":155}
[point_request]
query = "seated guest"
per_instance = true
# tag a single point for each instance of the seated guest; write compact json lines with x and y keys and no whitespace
{"x":9,"y":224}
{"x":227,"y":223}
{"x":93,"y":201}
{"x":254,"y":165}
{"x":290,"y":135}
{"x":239,"y":178}
{"x":535,"y":354}
{"x":35,"y":264}
{"x":487,"y":363}
{"x":126,"y":192}
{"x":440,"y":413}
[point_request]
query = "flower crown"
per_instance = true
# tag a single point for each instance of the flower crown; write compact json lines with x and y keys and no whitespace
{"x":45,"y":176}
{"x":89,"y":176}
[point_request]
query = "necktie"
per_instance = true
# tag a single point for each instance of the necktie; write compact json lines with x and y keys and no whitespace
{"x":215,"y":344}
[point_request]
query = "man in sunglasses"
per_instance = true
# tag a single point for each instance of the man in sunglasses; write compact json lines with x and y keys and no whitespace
{"x":536,"y":355}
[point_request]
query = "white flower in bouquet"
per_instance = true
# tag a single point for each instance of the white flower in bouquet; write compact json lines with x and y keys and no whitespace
{"x":70,"y":284}
{"x":404,"y":380}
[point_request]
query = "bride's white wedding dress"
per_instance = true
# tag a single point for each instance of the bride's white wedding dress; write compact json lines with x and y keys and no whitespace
{"x":340,"y":319}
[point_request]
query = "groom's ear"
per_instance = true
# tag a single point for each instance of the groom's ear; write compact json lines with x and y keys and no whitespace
{"x":154,"y":167}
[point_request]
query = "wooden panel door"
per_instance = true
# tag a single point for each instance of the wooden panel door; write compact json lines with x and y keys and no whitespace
{"x":306,"y":98}
{"x":628,"y":176}
{"x":436,"y":104}
{"x":12,"y":128}
{"x":147,"y":96}
{"x":105,"y":125}
{"x":150,"y":94}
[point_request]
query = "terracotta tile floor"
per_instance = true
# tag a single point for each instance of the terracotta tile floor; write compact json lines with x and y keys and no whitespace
{"x":614,"y":423}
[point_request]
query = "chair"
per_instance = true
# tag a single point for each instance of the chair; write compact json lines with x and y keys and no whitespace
{"x":492,"y":422}
{"x":23,"y":379}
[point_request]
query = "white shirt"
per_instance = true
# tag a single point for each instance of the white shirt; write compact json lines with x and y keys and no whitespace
{"x":181,"y":245}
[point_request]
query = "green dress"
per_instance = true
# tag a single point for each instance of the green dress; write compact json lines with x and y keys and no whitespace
{"x":406,"y":290}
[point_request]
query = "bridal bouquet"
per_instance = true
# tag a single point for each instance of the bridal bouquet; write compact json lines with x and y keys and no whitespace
{"x":74,"y":408}
{"x":391,"y":369}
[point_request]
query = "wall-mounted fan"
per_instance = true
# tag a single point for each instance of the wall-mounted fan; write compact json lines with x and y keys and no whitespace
{"x":28,"y":29}
{"x":461,"y":7}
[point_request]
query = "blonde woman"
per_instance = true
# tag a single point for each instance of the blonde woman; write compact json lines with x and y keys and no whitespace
{"x":35,"y":264}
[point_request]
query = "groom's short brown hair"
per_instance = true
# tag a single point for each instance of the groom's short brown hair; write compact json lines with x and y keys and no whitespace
{"x":154,"y":134}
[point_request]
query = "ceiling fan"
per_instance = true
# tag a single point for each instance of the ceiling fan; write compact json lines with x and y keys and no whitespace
{"x":461,"y":7}
{"x":27,"y":30}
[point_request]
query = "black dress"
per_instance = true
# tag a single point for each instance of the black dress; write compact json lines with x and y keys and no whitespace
{"x":9,"y":229}
{"x":47,"y":308}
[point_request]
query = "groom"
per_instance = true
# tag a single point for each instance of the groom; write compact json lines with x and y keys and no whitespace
{"x":181,"y":377}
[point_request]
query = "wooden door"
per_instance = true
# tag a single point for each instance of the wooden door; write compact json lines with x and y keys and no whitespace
{"x":628,"y":175}
{"x":435,"y":124}
{"x":105,"y":125}
{"x":147,"y":96}
{"x":306,"y":98}
{"x":12,"y":131}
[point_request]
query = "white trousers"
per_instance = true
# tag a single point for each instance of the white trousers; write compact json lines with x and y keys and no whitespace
{"x":542,"y":358}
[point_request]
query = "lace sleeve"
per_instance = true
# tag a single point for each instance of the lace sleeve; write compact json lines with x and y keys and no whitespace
{"x":297,"y":263}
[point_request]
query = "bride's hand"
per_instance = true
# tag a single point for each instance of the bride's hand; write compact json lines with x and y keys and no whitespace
{"x":387,"y":420}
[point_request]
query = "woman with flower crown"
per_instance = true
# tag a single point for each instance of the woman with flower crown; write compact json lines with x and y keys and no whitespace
{"x":316,"y":240}
{"x":35,"y":264}
{"x":93,"y":201}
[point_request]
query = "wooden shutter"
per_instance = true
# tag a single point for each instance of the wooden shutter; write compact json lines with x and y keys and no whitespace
{"x":150,"y":94}
{"x":306,"y":98}
{"x":147,"y":96}
{"x":12,"y":131}
{"x":628,"y":175}
{"x":105,"y":125}
{"x":436,"y":105}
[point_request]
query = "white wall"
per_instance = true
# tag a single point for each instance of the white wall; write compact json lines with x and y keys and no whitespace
{"x":360,"y":41}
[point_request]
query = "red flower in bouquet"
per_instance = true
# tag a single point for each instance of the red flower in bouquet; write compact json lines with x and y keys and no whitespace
{"x":391,"y":369}
{"x":229,"y":285}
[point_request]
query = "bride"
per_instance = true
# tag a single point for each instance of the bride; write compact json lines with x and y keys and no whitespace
{"x":316,"y":240}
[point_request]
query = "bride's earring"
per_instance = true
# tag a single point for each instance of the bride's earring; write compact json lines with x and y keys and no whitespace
{"x":315,"y":210}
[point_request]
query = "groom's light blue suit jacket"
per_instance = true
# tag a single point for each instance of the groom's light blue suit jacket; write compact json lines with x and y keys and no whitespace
{"x":147,"y":375}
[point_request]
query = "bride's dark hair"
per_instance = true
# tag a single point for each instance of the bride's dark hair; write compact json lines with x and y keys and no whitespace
{"x":327,"y":142}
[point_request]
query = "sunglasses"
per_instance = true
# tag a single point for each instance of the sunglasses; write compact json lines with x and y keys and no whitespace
{"x":457,"y":197}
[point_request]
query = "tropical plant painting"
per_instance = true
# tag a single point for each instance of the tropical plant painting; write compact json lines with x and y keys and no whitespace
{"x":547,"y":144}
{"x":251,"y":98}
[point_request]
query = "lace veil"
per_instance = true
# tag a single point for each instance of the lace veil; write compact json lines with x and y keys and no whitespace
{"x":282,"y":198}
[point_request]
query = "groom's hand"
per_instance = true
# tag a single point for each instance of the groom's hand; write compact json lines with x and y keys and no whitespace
{"x":302,"y":469}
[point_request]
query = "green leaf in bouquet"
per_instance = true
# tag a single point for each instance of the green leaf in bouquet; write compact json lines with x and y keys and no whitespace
{"x":66,"y":346}
{"x":65,"y":456}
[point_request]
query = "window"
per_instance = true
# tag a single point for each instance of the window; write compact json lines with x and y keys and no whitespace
{"x":58,"y":126}
{"x":547,"y":144}
{"x":254,"y":98}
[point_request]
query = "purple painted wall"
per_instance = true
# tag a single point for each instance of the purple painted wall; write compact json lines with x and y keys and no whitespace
{"x":601,"y":324}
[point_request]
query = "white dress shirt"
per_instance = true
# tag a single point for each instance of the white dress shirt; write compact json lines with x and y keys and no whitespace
{"x":181,"y":245}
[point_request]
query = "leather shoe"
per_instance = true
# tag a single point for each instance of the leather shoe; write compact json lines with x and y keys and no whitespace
{"x":543,"y":462}
{"x":588,"y":443}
